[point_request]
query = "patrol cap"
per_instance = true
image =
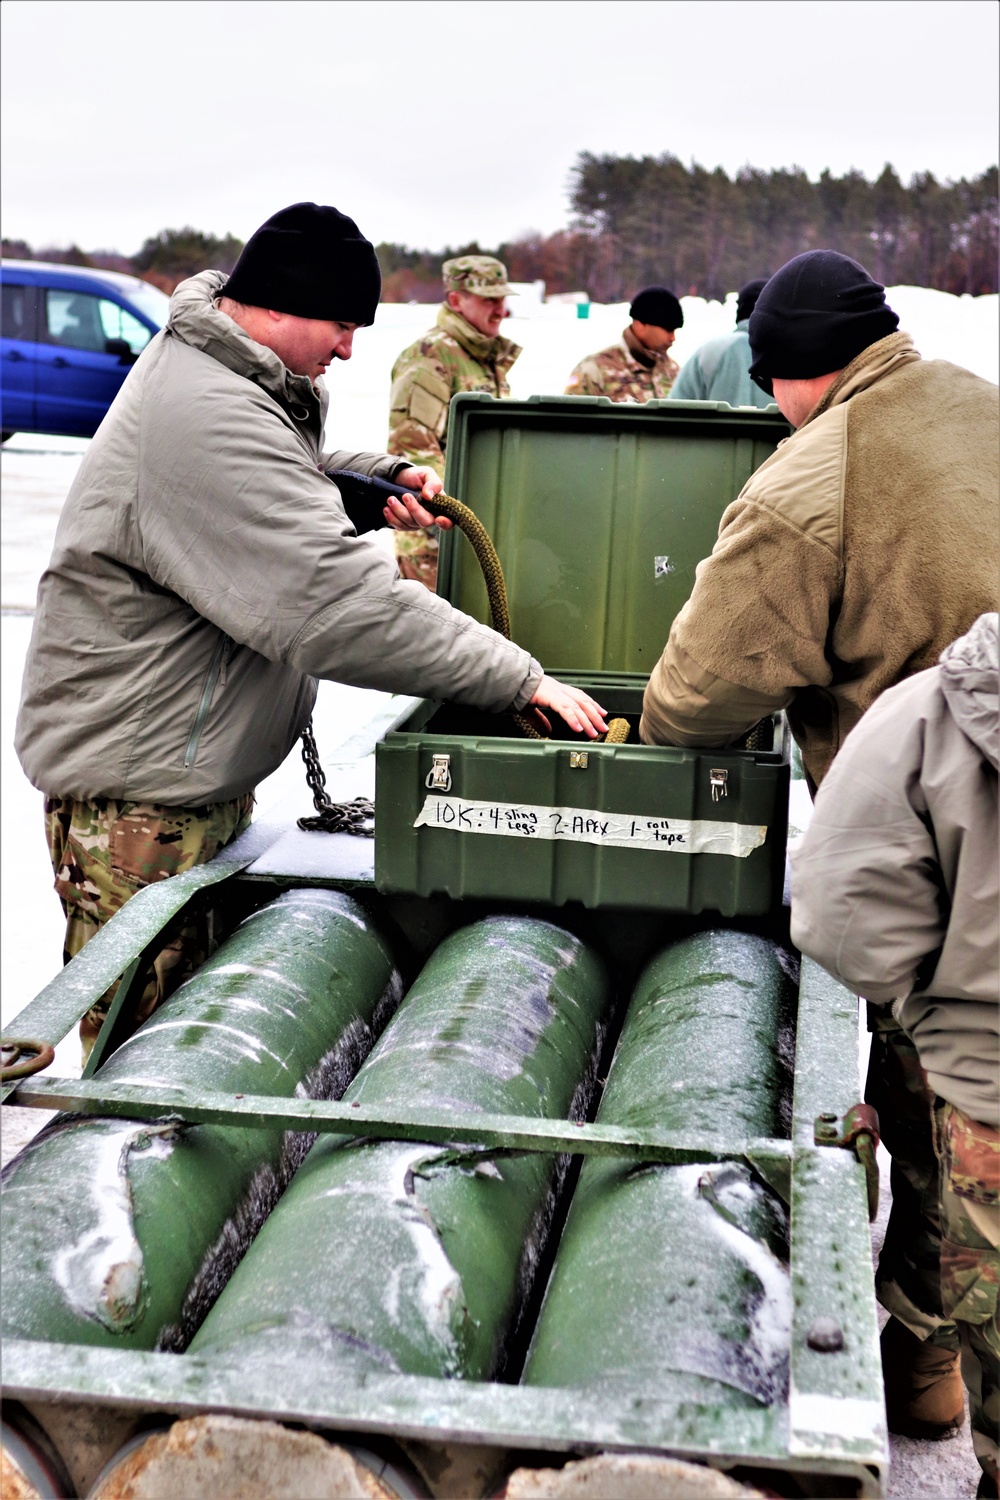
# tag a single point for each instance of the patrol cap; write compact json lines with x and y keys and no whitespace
{"x":482,"y":275}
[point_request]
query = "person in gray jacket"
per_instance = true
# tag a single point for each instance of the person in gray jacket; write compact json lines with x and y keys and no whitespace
{"x":205,"y":573}
{"x":720,"y":369}
{"x":895,"y":891}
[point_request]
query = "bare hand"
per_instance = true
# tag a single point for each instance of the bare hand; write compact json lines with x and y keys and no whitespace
{"x":576,"y":707}
{"x":408,"y":514}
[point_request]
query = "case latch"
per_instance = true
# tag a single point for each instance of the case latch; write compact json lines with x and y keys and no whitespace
{"x":579,"y":760}
{"x":438,"y":778}
{"x":717,"y":778}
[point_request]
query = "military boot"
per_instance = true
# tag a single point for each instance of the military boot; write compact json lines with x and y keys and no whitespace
{"x":924,"y":1396}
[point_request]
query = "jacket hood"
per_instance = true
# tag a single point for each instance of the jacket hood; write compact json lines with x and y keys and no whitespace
{"x":196,"y":320}
{"x":969,"y":674}
{"x":498,"y":351}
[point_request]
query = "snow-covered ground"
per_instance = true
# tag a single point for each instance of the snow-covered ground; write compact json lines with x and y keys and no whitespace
{"x":37,"y":472}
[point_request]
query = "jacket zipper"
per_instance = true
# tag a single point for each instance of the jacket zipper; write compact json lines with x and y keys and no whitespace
{"x":208,"y":692}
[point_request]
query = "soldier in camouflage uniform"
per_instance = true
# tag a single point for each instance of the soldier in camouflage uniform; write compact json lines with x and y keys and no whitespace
{"x":462,"y":352}
{"x":638,"y":367}
{"x":103,"y":851}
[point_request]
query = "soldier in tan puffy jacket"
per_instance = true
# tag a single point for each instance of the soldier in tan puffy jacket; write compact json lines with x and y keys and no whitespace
{"x":464,"y":351}
{"x":895,"y":891}
{"x":852,"y":557}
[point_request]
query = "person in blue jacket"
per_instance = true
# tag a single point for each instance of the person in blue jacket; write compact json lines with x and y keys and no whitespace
{"x":720,"y":369}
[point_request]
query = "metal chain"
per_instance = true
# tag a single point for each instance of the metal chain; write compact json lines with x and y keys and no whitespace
{"x":332,"y":817}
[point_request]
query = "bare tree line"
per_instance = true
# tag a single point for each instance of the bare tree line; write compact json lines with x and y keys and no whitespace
{"x":640,"y":220}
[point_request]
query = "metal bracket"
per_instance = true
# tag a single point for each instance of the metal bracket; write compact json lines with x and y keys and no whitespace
{"x":438,"y":778}
{"x":856,"y":1131}
{"x":717,"y":778}
{"x":579,"y":760}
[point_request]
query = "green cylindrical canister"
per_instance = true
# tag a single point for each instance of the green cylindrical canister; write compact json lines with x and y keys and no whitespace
{"x":123,"y":1234}
{"x":402,"y":1256}
{"x":673,"y":1280}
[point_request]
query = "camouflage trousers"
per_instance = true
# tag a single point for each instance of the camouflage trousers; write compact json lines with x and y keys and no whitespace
{"x":104,"y":851}
{"x":908,"y":1279}
{"x":417,"y":556}
{"x":968,"y":1155}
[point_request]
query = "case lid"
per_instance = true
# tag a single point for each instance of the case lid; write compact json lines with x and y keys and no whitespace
{"x":600,"y":512}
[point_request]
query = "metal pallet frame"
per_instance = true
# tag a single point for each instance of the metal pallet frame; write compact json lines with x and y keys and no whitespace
{"x":834,"y":1421}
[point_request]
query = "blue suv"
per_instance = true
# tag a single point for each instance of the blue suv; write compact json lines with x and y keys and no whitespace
{"x":69,"y":338}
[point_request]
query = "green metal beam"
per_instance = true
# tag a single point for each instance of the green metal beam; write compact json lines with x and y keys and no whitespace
{"x":492,"y":1132}
{"x":411,"y":1406}
{"x":835,"y":1401}
{"x":826,"y":1034}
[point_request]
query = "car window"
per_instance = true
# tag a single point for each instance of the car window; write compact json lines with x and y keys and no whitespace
{"x":18,"y":312}
{"x":151,"y":301}
{"x":118,"y":323}
{"x":74,"y":320}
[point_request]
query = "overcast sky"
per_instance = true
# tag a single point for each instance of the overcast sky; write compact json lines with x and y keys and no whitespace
{"x":437,"y":123}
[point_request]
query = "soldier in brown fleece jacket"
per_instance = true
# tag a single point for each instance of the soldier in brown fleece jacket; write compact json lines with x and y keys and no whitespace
{"x":852,"y":557}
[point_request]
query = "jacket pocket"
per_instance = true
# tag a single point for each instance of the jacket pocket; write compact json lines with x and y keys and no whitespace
{"x":220,"y":657}
{"x":428,"y":403}
{"x":969,"y":1152}
{"x":970,"y":1281}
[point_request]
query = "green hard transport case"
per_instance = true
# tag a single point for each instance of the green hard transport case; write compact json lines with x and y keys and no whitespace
{"x":600,"y":512}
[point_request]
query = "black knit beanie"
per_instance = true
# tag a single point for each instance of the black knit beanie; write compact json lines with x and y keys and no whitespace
{"x":312,"y":261}
{"x":657,"y":306}
{"x":815,"y":315}
{"x":746,"y":297}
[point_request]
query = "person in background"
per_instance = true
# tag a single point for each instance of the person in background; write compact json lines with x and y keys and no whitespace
{"x":720,"y":369}
{"x":895,"y":891}
{"x":464,"y":351}
{"x":205,"y":573}
{"x":866,"y":544}
{"x":638,"y":367}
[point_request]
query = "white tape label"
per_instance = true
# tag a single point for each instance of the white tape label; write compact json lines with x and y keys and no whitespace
{"x":586,"y":826}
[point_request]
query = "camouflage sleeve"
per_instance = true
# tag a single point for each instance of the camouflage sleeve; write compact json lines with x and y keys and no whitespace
{"x":587,"y":379}
{"x":418,"y":411}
